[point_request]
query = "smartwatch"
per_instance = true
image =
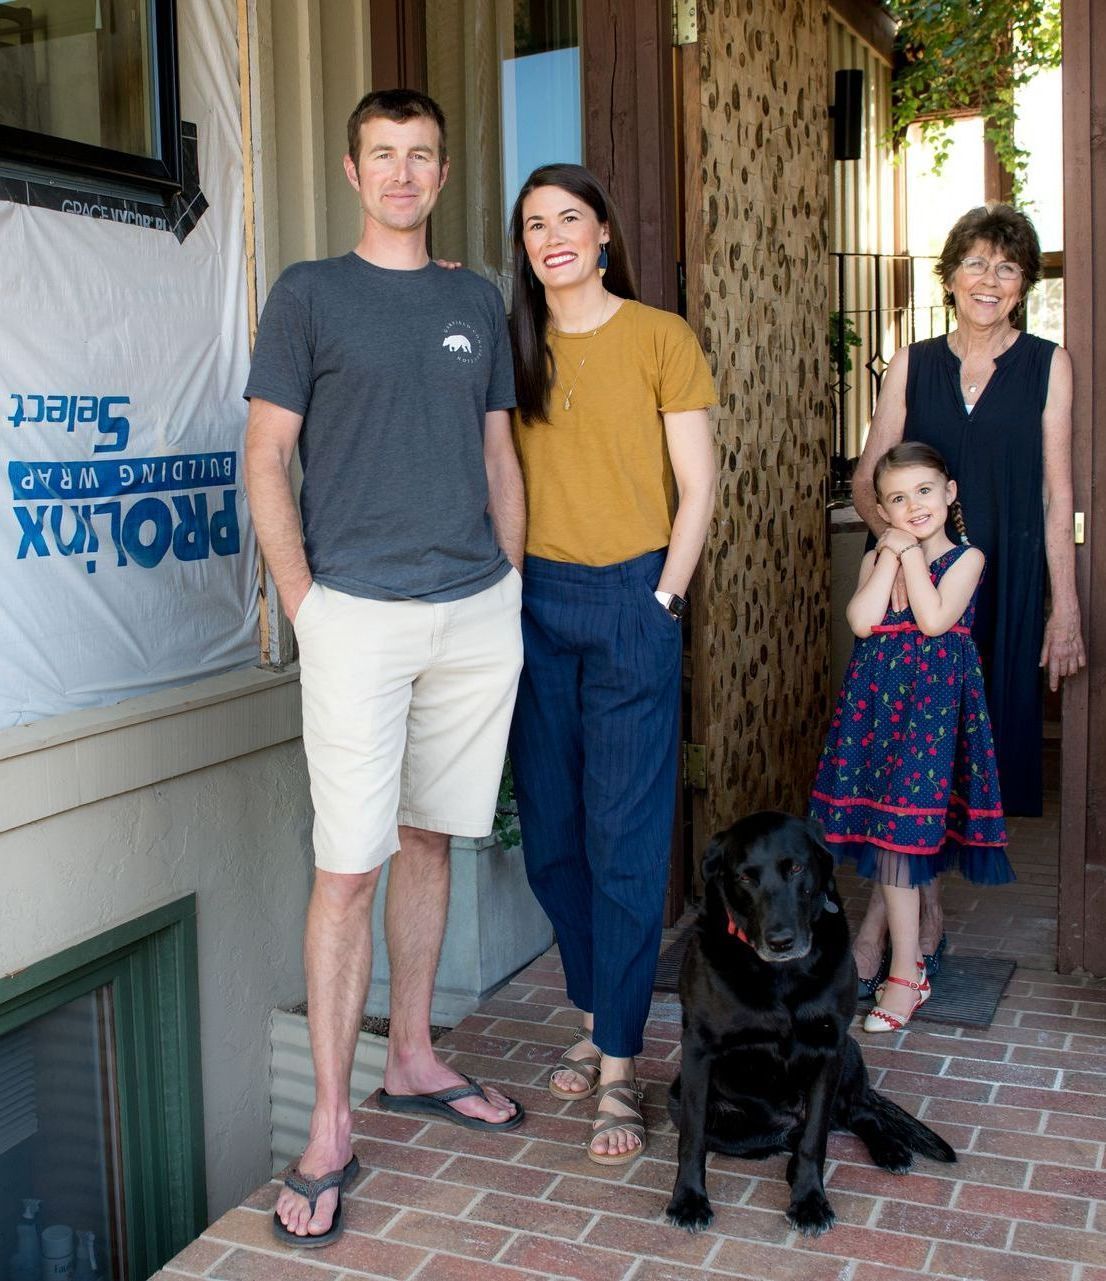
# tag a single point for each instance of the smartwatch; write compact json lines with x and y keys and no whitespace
{"x":676,"y":605}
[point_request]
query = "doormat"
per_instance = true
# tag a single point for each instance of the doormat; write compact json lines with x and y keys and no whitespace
{"x":966,"y":990}
{"x":668,"y":963}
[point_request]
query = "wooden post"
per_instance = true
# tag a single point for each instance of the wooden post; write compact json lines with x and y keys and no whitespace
{"x":397,"y":29}
{"x":629,"y":132}
{"x":1081,"y":938}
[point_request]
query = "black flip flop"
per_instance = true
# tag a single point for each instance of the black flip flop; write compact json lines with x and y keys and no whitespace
{"x":437,"y":1106}
{"x":311,"y":1190}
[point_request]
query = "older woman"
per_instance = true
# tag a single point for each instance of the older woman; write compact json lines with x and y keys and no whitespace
{"x":997,"y":404}
{"x":616,"y":449}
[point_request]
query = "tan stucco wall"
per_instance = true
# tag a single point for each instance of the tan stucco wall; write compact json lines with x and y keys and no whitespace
{"x":760,"y":297}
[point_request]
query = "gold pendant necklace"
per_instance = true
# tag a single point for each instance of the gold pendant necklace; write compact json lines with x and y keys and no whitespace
{"x":580,"y":367}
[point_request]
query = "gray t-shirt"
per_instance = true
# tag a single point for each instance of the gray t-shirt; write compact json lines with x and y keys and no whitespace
{"x":393,"y":372}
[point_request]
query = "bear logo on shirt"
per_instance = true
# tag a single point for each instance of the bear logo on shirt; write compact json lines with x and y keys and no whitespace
{"x":463,"y":342}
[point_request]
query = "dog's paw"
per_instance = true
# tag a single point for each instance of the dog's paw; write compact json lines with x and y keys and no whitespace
{"x":894,"y":1157}
{"x":811,"y":1215}
{"x":689,"y":1210}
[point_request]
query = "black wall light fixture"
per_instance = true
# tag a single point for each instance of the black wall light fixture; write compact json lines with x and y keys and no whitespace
{"x":847,"y":113}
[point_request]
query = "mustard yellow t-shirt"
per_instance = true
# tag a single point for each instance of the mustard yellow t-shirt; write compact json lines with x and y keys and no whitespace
{"x":599,"y":482}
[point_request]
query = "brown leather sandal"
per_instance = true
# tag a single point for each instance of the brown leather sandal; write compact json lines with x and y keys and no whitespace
{"x":586,"y":1067}
{"x":629,"y":1095}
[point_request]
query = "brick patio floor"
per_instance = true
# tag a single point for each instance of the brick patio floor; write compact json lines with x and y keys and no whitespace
{"x":1024,"y":1104}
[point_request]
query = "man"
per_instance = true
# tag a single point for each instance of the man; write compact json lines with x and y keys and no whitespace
{"x":394,"y":377}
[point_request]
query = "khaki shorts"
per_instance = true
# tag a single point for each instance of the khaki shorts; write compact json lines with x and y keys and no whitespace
{"x":406,"y":708}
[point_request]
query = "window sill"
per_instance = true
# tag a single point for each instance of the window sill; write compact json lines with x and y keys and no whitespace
{"x":67,"y":761}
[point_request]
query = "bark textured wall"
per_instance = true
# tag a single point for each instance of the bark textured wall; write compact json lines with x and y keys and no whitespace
{"x":758,"y":296}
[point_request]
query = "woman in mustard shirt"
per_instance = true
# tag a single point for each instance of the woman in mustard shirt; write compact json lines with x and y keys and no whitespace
{"x":618,"y":457}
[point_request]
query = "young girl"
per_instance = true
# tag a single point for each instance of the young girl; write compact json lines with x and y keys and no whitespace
{"x":907,"y":783}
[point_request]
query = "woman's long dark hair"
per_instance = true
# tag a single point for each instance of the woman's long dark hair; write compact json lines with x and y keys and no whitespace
{"x":529,"y":319}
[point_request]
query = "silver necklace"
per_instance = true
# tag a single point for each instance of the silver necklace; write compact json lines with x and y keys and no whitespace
{"x":580,"y":367}
{"x":974,"y":387}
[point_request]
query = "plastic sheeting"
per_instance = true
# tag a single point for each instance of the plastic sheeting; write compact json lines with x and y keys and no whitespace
{"x":127,"y":563}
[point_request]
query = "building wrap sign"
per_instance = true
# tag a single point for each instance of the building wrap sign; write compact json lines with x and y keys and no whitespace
{"x":126,"y":559}
{"x":101,"y":498}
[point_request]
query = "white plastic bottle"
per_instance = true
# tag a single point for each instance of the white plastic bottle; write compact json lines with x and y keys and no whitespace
{"x":86,"y":1258}
{"x":25,"y":1263}
{"x":57,"y":1252}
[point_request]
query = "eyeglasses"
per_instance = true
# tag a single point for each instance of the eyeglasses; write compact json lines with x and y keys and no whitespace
{"x":980,"y":267}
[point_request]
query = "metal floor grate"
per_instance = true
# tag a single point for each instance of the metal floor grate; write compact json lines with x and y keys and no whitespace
{"x":671,"y":958}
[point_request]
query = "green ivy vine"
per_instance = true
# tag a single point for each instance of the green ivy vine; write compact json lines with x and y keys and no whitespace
{"x":970,"y":55}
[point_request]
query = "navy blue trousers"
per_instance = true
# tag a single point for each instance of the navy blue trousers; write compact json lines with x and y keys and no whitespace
{"x":593,"y":748}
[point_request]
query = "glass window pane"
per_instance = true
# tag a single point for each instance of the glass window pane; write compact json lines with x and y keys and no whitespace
{"x":935,"y":201}
{"x":61,"y":1193}
{"x":78,"y":70}
{"x":541,"y":92}
{"x":1044,"y":313}
{"x":1040,"y":110}
{"x":507,"y":75}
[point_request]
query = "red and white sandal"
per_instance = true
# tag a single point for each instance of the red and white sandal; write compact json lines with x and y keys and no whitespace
{"x":880,"y":1020}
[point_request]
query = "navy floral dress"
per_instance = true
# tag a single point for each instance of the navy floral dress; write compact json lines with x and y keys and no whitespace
{"x":907,"y":784}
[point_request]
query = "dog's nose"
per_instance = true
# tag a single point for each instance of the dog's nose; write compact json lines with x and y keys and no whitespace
{"x":778,"y":941}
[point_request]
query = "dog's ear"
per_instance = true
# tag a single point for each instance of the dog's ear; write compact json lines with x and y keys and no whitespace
{"x":817,"y":834}
{"x":712,"y":859}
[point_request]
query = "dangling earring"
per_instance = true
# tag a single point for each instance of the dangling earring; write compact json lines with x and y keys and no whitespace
{"x":602,"y":264}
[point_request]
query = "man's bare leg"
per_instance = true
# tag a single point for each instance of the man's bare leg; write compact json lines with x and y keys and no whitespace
{"x":414,"y":917}
{"x":337,"y":953}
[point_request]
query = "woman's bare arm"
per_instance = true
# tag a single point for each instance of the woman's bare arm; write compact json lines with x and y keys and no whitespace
{"x":1062,"y":651}
{"x":888,"y":423}
{"x":691,"y":448}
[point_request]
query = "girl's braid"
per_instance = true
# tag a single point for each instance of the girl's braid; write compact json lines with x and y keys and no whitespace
{"x":957,"y":514}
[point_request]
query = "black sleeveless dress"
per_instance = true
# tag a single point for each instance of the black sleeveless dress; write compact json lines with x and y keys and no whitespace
{"x":995,"y":455}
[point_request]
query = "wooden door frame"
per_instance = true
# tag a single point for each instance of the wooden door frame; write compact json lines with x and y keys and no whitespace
{"x":397,"y":34}
{"x":1081,"y":941}
{"x":627,"y":63}
{"x":628,"y":73}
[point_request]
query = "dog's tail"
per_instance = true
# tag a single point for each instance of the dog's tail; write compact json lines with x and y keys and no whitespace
{"x":891,"y":1127}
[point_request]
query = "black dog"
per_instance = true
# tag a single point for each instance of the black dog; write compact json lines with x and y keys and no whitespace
{"x":768,"y":987}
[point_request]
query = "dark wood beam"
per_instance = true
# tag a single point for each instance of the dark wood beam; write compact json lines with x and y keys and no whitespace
{"x":398,"y":29}
{"x":871,"y":22}
{"x":629,"y":131}
{"x":1082,"y":905}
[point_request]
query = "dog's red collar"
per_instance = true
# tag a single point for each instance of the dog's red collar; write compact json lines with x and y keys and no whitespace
{"x":732,"y":928}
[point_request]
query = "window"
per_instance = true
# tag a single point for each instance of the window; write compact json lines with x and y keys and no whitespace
{"x":89,"y":92}
{"x":508,"y":78}
{"x":101,"y":1120}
